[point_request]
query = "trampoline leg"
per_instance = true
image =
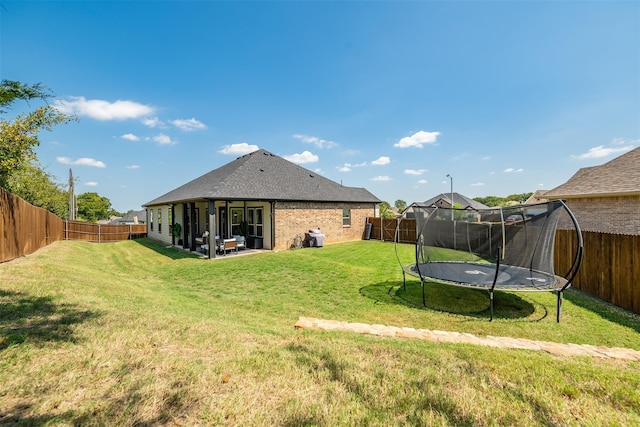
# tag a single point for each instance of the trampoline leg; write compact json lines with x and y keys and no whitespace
{"x":424,"y":301}
{"x":491,"y":304}
{"x":404,"y":279}
{"x":559,"y":310}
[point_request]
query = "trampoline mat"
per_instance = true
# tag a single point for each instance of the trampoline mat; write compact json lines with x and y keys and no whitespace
{"x":480,"y":275}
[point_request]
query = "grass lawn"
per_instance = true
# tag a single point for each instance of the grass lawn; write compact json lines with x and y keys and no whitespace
{"x":133,"y":333}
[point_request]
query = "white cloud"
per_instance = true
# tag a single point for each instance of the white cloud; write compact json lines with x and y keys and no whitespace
{"x":418,"y":139}
{"x":416,"y":172}
{"x":239,"y":149}
{"x":381,"y":178}
{"x":486,"y":158}
{"x":163,"y":139}
{"x":83,"y":161}
{"x":602,"y":151}
{"x":511,"y":170}
{"x":153,"y":122}
{"x":304,"y":157}
{"x":359,"y":165}
{"x":344,"y":168}
{"x":130,"y":137}
{"x":133,"y":167}
{"x":91,"y":184}
{"x":102,"y":110}
{"x":422,"y":181}
{"x":188,"y":125}
{"x":478,"y":184}
{"x":381,"y":161}
{"x":318,"y":142}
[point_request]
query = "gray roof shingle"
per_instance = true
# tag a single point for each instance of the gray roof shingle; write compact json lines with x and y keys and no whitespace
{"x":620,"y":176}
{"x":464,"y":201}
{"x":262,"y":175}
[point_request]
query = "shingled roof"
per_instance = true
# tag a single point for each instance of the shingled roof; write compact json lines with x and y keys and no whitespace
{"x":462,"y":200}
{"x":618,"y":177}
{"x":262,"y":175}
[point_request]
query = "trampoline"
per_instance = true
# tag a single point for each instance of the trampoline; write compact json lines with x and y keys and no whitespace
{"x":500,"y":249}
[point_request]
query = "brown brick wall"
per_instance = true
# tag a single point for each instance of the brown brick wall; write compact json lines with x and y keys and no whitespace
{"x":293,"y":218}
{"x":606,"y":214}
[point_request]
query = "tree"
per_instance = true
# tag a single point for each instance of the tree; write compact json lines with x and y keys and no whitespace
{"x":38,"y":187}
{"x":495,"y":201}
{"x":400,"y":205}
{"x":18,"y":137}
{"x":385,"y":210}
{"x":92,"y":207}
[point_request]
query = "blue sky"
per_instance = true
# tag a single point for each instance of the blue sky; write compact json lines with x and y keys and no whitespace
{"x":506,"y":97}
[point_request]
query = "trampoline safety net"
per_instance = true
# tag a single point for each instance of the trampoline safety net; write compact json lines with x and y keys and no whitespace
{"x":510,"y":248}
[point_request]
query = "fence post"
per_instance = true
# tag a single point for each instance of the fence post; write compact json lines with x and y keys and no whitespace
{"x":98,"y":233}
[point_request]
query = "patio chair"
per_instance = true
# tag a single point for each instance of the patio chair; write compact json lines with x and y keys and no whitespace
{"x":240,"y":242}
{"x":229,"y":245}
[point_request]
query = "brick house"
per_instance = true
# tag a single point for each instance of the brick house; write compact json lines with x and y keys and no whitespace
{"x":264,"y":196}
{"x":605,"y":198}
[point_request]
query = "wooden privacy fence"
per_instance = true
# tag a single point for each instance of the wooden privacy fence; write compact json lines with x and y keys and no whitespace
{"x":610,"y":269}
{"x":385,"y":229}
{"x":100,"y":233}
{"x":25,"y":228}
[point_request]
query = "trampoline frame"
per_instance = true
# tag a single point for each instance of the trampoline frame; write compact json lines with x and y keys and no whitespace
{"x":562,"y":282}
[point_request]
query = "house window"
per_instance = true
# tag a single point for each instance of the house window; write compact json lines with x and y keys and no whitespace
{"x":237,"y":217}
{"x":346,"y":217}
{"x":160,"y":221}
{"x":151,"y":219}
{"x":254,"y":219}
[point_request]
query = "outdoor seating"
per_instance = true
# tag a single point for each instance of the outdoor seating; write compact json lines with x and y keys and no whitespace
{"x":202,"y":241}
{"x":229,"y":245}
{"x":240,"y":242}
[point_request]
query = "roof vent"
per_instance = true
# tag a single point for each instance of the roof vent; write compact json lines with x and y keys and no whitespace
{"x":261,"y":170}
{"x":311,"y":175}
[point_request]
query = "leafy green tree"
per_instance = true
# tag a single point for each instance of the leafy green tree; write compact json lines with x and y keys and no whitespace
{"x":400,"y":205}
{"x":520,"y":198}
{"x":39,"y":187}
{"x":494,"y":201}
{"x":385,"y":210}
{"x":491,"y":201}
{"x":18,"y":137}
{"x":93,"y":207}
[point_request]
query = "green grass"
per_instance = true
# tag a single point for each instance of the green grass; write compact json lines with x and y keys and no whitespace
{"x":133,"y":333}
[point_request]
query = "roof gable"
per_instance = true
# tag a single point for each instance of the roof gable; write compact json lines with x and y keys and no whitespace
{"x":616,"y":177}
{"x":462,"y":200}
{"x":262,"y":175}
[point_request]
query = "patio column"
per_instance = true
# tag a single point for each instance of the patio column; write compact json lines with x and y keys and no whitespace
{"x":212,"y":228}
{"x":194,"y":230}
{"x":185,"y":221}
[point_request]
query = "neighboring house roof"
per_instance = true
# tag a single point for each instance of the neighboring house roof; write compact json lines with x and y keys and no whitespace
{"x":620,"y":176}
{"x":262,"y":175}
{"x":128,"y":217}
{"x":463,"y":201}
{"x":537,"y":197}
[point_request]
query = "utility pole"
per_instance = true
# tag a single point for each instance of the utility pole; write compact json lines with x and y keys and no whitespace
{"x":72,"y":199}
